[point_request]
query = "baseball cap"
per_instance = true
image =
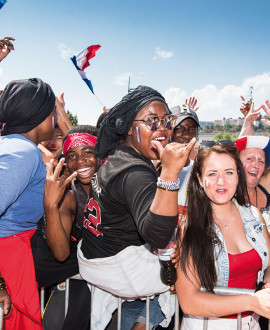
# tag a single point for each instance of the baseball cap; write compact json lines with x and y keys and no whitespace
{"x":184,"y":112}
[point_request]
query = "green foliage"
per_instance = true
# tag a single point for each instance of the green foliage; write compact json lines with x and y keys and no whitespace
{"x":218,"y":127}
{"x":234,"y":137}
{"x":73,"y":119}
{"x":225,"y":136}
{"x":227,"y":127}
{"x":218,"y":137}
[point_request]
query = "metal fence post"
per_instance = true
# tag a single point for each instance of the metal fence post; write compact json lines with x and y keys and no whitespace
{"x":239,"y":321}
{"x":91,"y":304}
{"x":66,"y":295}
{"x":119,"y":314}
{"x":176,"y":314}
{"x":1,"y":316}
{"x":42,"y":298}
{"x":147,"y":319}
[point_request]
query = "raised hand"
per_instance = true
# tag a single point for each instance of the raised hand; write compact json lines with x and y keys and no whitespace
{"x":56,"y":184}
{"x":191,"y":102}
{"x":267,"y":111}
{"x":252,"y":114}
{"x":5,"y":47}
{"x":174,"y":156}
{"x":62,"y":119}
{"x":245,"y":106}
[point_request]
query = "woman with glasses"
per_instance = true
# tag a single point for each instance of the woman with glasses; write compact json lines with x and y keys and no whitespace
{"x":129,"y":205}
{"x":225,"y":244}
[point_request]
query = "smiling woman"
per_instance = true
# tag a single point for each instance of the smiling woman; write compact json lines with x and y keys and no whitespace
{"x":225,"y":244}
{"x":127,"y":206}
{"x":254,"y":152}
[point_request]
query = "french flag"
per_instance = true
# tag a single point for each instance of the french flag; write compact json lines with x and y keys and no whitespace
{"x":2,"y":2}
{"x":81,"y":62}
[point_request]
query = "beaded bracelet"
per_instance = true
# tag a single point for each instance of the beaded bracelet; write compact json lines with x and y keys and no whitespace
{"x":168,"y":185}
{"x":2,"y":284}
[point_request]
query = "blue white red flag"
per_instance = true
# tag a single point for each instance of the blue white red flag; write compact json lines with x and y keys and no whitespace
{"x":81,"y":62}
{"x":2,"y":2}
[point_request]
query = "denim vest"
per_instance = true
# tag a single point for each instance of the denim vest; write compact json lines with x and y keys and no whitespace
{"x":254,"y":232}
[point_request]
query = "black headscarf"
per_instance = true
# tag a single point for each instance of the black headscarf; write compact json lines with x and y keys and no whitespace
{"x":116,"y":124}
{"x":24,"y":104}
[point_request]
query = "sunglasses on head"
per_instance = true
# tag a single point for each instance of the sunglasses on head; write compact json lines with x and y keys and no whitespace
{"x":224,"y":143}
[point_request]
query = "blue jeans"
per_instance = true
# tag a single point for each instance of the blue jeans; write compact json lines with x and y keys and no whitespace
{"x":135,"y":311}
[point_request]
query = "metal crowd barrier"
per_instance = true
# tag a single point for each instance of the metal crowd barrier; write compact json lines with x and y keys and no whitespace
{"x":119,"y":310}
{"x":223,"y":291}
{"x":147,"y":318}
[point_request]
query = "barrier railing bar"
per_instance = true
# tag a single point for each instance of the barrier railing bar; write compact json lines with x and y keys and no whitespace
{"x":91,"y":303}
{"x":66,"y":295}
{"x":225,"y":291}
{"x":147,"y":319}
{"x":1,"y":316}
{"x":42,"y":299}
{"x":205,"y":323}
{"x":119,"y":314}
{"x":176,"y":314}
{"x":239,"y":321}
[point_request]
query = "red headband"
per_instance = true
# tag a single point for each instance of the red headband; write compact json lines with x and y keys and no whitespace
{"x":78,"y":140}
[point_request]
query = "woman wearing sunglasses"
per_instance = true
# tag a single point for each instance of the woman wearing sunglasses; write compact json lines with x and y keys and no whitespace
{"x":226,"y":244}
{"x":128,"y":205}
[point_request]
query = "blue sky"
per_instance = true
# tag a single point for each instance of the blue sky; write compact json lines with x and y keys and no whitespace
{"x":211,"y":49}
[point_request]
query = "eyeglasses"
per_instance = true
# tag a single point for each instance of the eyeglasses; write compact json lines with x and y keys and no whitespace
{"x":223,"y":143}
{"x":153,"y":122}
{"x":183,"y":130}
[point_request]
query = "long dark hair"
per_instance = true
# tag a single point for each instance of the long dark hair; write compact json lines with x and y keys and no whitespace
{"x":197,"y":246}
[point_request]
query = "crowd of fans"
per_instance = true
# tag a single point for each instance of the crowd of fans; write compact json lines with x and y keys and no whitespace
{"x":94,"y":203}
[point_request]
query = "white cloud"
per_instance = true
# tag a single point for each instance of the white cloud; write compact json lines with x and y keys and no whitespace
{"x":225,"y":102}
{"x":65,"y":51}
{"x":122,"y":78}
{"x":162,"y":53}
